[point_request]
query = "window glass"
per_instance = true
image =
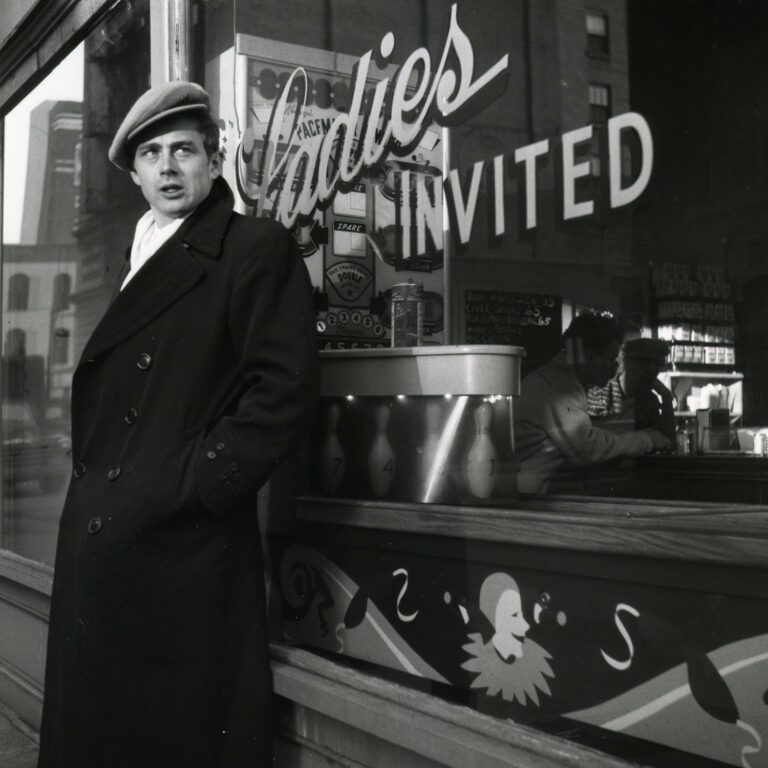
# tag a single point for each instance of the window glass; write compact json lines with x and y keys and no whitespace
{"x":528,"y":186}
{"x":483,"y":155}
{"x":64,"y":208}
{"x":597,"y":33}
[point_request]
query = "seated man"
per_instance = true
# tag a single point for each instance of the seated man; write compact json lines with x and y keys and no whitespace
{"x":635,"y":396}
{"x":553,"y":430}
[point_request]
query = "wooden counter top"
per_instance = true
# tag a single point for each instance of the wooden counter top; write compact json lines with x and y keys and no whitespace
{"x":684,"y":531}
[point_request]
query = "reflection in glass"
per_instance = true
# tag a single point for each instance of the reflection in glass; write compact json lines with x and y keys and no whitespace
{"x":64,"y":208}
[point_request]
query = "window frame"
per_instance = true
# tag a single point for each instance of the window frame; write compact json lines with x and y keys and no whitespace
{"x":597,"y":45}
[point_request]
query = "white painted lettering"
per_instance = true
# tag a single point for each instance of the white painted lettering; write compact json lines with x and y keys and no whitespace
{"x":465,"y":212}
{"x":627,"y":663}
{"x":573,"y":171}
{"x":450,"y":97}
{"x":498,"y":195}
{"x":403,"y":103}
{"x":629,"y":121}
{"x":405,"y":212}
{"x":400,"y":615}
{"x":528,"y":155}
{"x":427,"y":212}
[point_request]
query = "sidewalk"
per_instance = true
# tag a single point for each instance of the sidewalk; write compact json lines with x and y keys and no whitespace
{"x":18,"y":743}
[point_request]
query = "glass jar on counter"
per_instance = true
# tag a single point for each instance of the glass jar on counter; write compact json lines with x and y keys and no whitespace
{"x":685,"y":435}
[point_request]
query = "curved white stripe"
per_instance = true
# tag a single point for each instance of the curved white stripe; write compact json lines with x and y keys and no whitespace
{"x":651,"y":708}
{"x":741,"y":663}
{"x":398,"y":654}
{"x":662,"y":702}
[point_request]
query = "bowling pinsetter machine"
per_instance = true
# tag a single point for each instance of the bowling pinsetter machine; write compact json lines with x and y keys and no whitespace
{"x":417,"y":424}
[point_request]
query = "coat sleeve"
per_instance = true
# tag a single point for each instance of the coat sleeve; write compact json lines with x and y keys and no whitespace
{"x":568,"y":425}
{"x":271,"y":326}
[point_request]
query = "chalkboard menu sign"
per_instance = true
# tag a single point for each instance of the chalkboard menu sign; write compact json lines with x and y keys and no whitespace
{"x":529,"y":320}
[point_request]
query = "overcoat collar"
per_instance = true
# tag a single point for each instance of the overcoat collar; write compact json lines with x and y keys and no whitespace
{"x":168,"y":275}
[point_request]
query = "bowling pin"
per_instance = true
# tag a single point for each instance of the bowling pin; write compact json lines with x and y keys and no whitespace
{"x":333,"y":461}
{"x":481,"y":460}
{"x":433,"y":466}
{"x":381,"y":459}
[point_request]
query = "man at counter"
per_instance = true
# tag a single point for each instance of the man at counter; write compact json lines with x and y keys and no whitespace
{"x":553,"y":430}
{"x":634,"y":396}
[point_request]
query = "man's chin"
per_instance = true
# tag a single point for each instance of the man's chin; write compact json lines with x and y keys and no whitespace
{"x":175,"y":211}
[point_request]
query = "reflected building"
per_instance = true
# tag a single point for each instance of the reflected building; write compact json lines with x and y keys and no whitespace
{"x":40,"y":271}
{"x":50,"y":202}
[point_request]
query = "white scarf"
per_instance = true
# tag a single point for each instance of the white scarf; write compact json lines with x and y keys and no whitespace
{"x":147,"y":240}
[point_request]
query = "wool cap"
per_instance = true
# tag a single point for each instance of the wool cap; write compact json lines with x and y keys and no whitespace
{"x":155,"y":104}
{"x":653,"y":350}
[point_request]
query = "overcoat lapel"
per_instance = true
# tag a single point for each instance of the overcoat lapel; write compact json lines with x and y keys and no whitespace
{"x":168,"y":275}
{"x":163,"y":280}
{"x":126,"y":268}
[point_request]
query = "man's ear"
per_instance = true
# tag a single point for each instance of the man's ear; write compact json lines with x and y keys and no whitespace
{"x":216,"y":163}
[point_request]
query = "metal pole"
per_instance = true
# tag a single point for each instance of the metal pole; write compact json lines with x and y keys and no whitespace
{"x":170,"y":40}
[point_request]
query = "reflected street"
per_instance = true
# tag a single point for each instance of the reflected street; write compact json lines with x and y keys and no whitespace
{"x":31,"y":521}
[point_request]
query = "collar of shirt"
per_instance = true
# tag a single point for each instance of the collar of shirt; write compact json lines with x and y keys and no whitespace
{"x":147,"y":240}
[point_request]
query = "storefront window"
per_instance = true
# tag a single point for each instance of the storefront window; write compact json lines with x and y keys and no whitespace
{"x":514,"y":178}
{"x":520,"y":166}
{"x":64,"y":209}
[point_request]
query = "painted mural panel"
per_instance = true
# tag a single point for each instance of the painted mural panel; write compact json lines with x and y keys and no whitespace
{"x":679,"y":667}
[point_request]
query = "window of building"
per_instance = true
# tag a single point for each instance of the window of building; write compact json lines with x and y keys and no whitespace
{"x":599,"y":103}
{"x":599,"y":113}
{"x":597,"y":34}
{"x":18,"y":292}
{"x":60,"y":347}
{"x":15,"y":343}
{"x":62,"y":287}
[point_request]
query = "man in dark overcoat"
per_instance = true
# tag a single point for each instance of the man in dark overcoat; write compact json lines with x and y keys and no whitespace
{"x":198,"y":381}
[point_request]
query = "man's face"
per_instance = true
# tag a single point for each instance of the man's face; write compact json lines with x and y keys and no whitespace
{"x":595,"y":367}
{"x":639,"y":375}
{"x":172,"y":168}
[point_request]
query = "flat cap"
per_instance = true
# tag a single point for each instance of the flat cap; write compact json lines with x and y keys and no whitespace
{"x":646,"y":349}
{"x":155,"y":104}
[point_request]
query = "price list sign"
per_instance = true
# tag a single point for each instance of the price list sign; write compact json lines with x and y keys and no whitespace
{"x":529,"y":320}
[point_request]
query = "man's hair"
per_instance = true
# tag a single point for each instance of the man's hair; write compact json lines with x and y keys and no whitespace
{"x":209,"y":128}
{"x":595,"y":332}
{"x":204,"y":123}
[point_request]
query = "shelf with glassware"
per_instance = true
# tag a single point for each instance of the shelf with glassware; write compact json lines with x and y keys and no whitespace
{"x":693,"y":310}
{"x":697,"y":390}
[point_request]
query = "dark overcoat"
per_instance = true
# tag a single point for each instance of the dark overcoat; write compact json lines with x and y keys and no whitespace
{"x":200,"y":378}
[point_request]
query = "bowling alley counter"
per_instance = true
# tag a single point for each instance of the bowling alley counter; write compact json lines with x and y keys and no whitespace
{"x":629,"y":625}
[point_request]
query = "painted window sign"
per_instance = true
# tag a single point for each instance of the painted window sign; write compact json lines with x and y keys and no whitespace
{"x":307,"y":155}
{"x":324,"y":140}
{"x":351,"y":239}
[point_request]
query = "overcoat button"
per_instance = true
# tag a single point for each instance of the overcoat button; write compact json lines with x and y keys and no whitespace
{"x":78,"y":470}
{"x":211,"y":454}
{"x":131,"y":415}
{"x":94,"y":525}
{"x":220,"y":446}
{"x":113,"y":473}
{"x":144,"y":362}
